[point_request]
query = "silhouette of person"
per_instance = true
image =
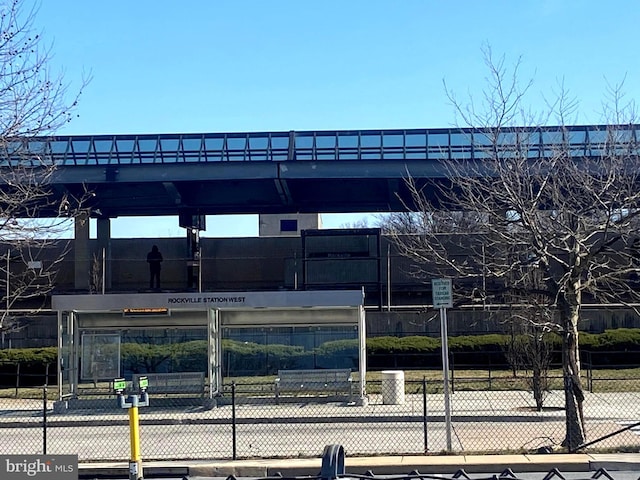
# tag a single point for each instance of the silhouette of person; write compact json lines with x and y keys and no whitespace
{"x":154,"y":258}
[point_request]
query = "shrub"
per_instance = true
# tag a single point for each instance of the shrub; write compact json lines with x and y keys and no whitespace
{"x":30,"y":356}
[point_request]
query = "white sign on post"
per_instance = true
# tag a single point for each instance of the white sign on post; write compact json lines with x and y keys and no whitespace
{"x":443,"y":299}
{"x":442,"y":293}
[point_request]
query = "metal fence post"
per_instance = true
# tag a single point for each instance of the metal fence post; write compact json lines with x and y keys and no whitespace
{"x":452,"y":373}
{"x":590,"y":372}
{"x":44,"y":419}
{"x":424,"y":413}
{"x":17,"y":378}
{"x":233,"y":419}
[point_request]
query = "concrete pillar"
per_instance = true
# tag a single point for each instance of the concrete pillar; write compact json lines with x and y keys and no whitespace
{"x":104,"y":248}
{"x":194,"y":279}
{"x":82,"y":258}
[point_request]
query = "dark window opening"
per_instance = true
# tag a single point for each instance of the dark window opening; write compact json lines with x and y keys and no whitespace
{"x":288,"y":225}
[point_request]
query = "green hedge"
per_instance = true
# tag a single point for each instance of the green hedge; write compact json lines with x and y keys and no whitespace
{"x":382,"y":352}
{"x":29,"y":356}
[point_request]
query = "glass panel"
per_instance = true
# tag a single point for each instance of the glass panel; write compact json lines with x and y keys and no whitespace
{"x":460,"y":154}
{"x":347,"y":156}
{"x":168,"y":156}
{"x":147,"y":145}
{"x":169,"y":144}
{"x":236,"y":143}
{"x":59,"y":146}
{"x":507,"y":139}
{"x":36,"y":146}
{"x":13,"y":147}
{"x":304,"y":141}
{"x":438,"y":140}
{"x":236,"y":155}
{"x":621,"y":135}
{"x":595,"y":150}
{"x":348,"y":141}
{"x":461,"y":139}
{"x":66,"y":354}
{"x":527,"y":139}
{"x":393,"y":140}
{"x":80,"y":146}
{"x":597,"y":137}
{"x":258,"y":142}
{"x":100,"y":354}
{"x":533,"y":151}
{"x":578,"y":136}
{"x":309,"y":339}
{"x":480,"y":138}
{"x":325,"y":141}
{"x":280,"y":142}
{"x":124,"y":145}
{"x":258,"y":156}
{"x":213,"y":143}
{"x":191,"y":157}
{"x":103,"y":145}
{"x":370,"y":140}
{"x":438,"y":153}
{"x":416,"y":140}
{"x":191,"y":144}
{"x":552,"y":138}
{"x":480,"y":153}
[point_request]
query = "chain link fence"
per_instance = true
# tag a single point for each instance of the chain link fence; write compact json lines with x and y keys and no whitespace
{"x":398,"y":415}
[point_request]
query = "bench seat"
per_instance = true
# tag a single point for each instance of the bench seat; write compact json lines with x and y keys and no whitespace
{"x":176,"y":382}
{"x":323,"y":381}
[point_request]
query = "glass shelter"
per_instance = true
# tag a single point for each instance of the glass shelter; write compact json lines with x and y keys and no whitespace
{"x":102,"y":337}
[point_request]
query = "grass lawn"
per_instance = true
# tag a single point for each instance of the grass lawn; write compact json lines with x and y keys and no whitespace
{"x":605,"y":380}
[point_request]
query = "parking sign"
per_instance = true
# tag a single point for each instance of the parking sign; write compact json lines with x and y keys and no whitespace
{"x":442,"y":293}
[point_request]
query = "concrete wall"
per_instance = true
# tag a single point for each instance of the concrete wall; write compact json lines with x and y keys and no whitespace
{"x":271,"y":225}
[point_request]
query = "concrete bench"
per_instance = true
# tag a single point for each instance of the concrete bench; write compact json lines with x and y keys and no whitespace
{"x":176,"y":382}
{"x":329,"y":381}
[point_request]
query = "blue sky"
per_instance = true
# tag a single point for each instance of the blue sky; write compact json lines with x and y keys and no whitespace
{"x":217,"y":66}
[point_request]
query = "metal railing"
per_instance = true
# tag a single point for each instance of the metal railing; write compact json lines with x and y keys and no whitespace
{"x":341,"y":145}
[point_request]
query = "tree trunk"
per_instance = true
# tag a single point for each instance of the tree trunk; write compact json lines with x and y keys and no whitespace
{"x":538,"y":387}
{"x":573,"y":391}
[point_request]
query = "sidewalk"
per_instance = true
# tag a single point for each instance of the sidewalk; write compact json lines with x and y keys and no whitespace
{"x":379,"y":465}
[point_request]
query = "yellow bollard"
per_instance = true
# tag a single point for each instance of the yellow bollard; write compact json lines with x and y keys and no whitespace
{"x":132,"y":402}
{"x":135,"y":463}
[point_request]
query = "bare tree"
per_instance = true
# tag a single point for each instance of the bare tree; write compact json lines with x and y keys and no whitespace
{"x":551,"y":201}
{"x":358,"y":223}
{"x":33,"y":105}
